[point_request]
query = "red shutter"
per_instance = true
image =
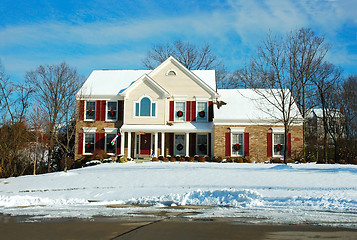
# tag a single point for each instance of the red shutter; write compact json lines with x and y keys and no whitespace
{"x":121,"y":110}
{"x":289,"y":145}
{"x":246,"y":144}
{"x":99,"y":140}
{"x":188,"y":111}
{"x":193,"y":111}
{"x":103,"y":110}
{"x":270,"y":144}
{"x":210,"y":111}
{"x":80,"y":143}
{"x":81,"y":109}
{"x":171,"y":111}
{"x":228,"y":144}
{"x":97,"y":110}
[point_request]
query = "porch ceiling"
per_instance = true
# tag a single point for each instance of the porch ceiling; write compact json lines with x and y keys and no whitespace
{"x":174,"y":128}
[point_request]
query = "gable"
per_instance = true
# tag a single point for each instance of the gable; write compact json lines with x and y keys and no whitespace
{"x":184,"y":82}
{"x":150,"y":85}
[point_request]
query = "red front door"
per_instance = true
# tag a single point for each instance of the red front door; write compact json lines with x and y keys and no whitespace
{"x":145,"y":143}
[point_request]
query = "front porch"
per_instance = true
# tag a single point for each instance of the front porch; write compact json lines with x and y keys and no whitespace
{"x":184,"y":139}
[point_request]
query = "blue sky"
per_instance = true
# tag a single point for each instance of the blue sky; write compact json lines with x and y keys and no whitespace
{"x":113,"y":34}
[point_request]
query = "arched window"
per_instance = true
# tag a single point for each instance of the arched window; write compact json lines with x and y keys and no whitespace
{"x":145,"y":108}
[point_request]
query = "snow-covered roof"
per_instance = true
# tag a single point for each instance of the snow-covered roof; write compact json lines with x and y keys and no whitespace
{"x":245,"y":106}
{"x":109,"y":82}
{"x":113,"y":82}
{"x":175,"y":127}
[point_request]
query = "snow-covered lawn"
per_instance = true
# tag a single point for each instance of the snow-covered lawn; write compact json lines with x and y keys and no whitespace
{"x":297,"y":193}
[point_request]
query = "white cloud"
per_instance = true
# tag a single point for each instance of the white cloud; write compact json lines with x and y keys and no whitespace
{"x":233,"y":29}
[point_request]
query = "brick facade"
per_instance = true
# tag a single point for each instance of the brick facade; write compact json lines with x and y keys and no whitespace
{"x":257,"y":140}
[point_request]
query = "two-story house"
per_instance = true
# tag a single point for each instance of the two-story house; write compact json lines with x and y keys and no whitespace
{"x":171,"y":111}
{"x":167,"y":111}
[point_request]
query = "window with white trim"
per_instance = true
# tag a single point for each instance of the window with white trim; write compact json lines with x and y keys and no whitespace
{"x":201,"y":146}
{"x":112,"y":111}
{"x":145,"y":108}
{"x":201,"y":112}
{"x":109,"y":147}
{"x":278,"y":144}
{"x":89,"y":142}
{"x":180,"y":111}
{"x":90,"y":110}
{"x":237,"y":144}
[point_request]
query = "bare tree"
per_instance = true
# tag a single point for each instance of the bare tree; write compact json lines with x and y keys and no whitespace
{"x":55,"y":87}
{"x":193,"y":57}
{"x":269,"y":74}
{"x":325,"y":80}
{"x":14,"y":99}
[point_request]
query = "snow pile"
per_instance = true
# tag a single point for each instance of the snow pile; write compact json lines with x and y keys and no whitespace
{"x":26,"y":201}
{"x":220,"y":198}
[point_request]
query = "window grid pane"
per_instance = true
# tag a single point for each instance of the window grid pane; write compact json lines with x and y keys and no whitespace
{"x":90,"y":110}
{"x":201,"y":111}
{"x":279,"y":144}
{"x":109,"y":147}
{"x":112,"y":110}
{"x":180,"y":114}
{"x":89,"y":143}
{"x":237,"y":144}
{"x":201,"y":144}
{"x":153,"y":109}
{"x":137,"y":109}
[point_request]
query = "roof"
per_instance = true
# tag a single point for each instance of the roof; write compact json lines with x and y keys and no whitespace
{"x":113,"y":82}
{"x":109,"y":82}
{"x":247,"y":106}
{"x":175,"y":127}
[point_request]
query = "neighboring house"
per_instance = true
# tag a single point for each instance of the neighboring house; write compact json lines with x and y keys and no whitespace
{"x":170,"y":111}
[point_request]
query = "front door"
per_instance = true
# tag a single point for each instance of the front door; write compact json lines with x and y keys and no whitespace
{"x":179,"y":145}
{"x":145,"y":143}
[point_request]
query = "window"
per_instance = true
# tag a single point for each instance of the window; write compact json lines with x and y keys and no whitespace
{"x":201,"y":112}
{"x":201,"y":145}
{"x":180,"y":148}
{"x":109,"y":147}
{"x":237,"y":144}
{"x":112,"y":111}
{"x":89,"y":142}
{"x":90,"y":110}
{"x":278,"y":144}
{"x":145,"y":108}
{"x":180,"y":111}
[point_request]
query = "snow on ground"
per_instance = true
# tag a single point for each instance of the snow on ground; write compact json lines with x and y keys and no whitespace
{"x":272,"y":193}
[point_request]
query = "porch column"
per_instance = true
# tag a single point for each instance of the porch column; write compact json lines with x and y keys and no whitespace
{"x":129,"y":144}
{"x":187,"y":144}
{"x":163,"y":144}
{"x":156,"y":143}
{"x":122,"y":141}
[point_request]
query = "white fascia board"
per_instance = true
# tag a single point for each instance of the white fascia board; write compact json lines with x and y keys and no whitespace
{"x":148,"y":79}
{"x":101,"y":97}
{"x":253,"y":122}
{"x":190,"y":74}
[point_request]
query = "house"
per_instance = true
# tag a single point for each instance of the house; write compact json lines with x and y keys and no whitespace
{"x":171,"y":111}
